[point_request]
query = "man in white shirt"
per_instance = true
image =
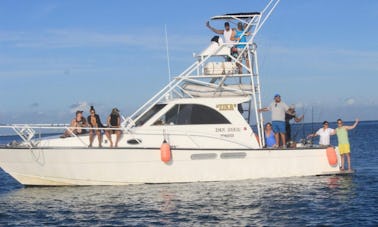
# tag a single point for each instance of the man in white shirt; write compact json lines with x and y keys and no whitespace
{"x":324,"y":134}
{"x":227,"y":32}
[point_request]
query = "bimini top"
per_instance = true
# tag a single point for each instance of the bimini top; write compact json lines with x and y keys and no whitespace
{"x":235,"y":15}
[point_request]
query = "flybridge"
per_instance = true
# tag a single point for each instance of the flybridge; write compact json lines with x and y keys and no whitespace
{"x":219,"y":72}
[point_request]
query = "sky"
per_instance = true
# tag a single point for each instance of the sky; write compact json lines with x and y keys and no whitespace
{"x":60,"y":56}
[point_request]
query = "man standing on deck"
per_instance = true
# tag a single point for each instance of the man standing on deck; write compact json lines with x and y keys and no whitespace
{"x":278,"y":109}
{"x":342,"y":137}
{"x":291,"y":114}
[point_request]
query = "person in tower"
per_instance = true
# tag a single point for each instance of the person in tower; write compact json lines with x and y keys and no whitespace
{"x":226,"y":32}
{"x":240,"y":35}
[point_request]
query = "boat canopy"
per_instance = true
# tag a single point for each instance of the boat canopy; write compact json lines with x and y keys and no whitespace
{"x":232,"y":16}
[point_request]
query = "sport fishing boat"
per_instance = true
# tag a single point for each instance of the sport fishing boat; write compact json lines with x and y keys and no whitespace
{"x":197,"y":128}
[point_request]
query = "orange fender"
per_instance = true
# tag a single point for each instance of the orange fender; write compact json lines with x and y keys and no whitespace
{"x":165,"y":152}
{"x":331,"y":156}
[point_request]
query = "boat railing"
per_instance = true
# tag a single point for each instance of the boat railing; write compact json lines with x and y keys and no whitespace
{"x":28,"y":132}
{"x":31,"y":141}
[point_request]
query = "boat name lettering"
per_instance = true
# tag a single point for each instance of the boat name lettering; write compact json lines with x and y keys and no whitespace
{"x":228,"y":135}
{"x":225,"y":106}
{"x":233,"y":129}
{"x":220,"y":129}
{"x":228,"y":130}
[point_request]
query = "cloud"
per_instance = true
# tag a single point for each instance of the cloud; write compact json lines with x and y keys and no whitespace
{"x":349,"y":101}
{"x":34,"y":105}
{"x":60,"y":39}
{"x":299,"y":105}
{"x":38,"y":44}
{"x":70,"y":38}
{"x":79,"y":106}
{"x":322,"y":58}
{"x":48,"y":9}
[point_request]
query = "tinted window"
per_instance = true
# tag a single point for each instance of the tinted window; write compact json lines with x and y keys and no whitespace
{"x":186,"y":114}
{"x":205,"y":115}
{"x":171,"y":116}
{"x":149,"y":114}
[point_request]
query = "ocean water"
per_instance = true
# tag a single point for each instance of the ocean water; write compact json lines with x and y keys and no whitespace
{"x":297,"y":201}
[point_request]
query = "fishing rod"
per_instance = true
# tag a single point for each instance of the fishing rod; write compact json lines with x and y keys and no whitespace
{"x":301,"y":128}
{"x":167,"y":50}
{"x":312,"y":123}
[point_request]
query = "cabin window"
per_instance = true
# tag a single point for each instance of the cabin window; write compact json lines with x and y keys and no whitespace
{"x":147,"y":116}
{"x":191,"y":114}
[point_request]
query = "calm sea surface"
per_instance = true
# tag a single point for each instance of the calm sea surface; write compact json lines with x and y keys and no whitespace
{"x":297,"y":201}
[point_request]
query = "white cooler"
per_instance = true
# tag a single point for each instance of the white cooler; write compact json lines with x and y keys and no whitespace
{"x":220,"y":68}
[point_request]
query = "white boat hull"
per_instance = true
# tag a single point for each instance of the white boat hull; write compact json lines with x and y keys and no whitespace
{"x":204,"y":114}
{"x":83,"y":166}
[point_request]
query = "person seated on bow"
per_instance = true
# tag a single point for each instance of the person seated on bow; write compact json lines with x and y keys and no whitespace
{"x":76,"y":126}
{"x":95,"y":122}
{"x":113,"y":121}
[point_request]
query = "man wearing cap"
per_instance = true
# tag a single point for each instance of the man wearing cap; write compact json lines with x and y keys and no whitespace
{"x":227,"y":32}
{"x":278,"y":109}
{"x":76,"y":125}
